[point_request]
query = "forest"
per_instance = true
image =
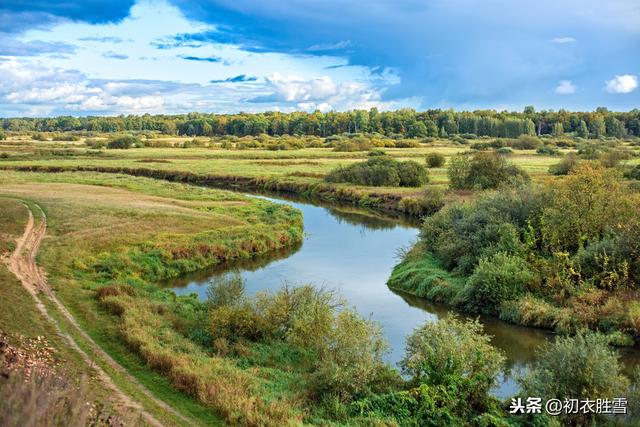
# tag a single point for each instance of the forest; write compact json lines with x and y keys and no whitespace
{"x":401,"y":123}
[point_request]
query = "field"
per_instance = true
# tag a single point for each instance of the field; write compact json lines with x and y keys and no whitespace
{"x":299,"y":171}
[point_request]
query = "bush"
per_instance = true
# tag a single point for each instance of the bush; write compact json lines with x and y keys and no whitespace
{"x":353,"y":144}
{"x":435,"y":160}
{"x":352,"y":359}
{"x":4,"y":155}
{"x":583,"y":208}
{"x":504,"y":151}
{"x":548,"y":150}
{"x":381,"y":171}
{"x":451,"y":352}
{"x":65,"y":137}
{"x":412,"y":174}
{"x":124,"y":142}
{"x":374,"y":153}
{"x":496,"y":280}
{"x":95,"y":143}
{"x":633,"y":173}
{"x":526,"y":142}
{"x":579,"y":367}
{"x":484,"y":170}
{"x":225,"y":291}
{"x":565,"y":166}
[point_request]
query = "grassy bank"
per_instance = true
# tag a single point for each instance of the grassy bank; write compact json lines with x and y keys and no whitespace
{"x":112,"y":229}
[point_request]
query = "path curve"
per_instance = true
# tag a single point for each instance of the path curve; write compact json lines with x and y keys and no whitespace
{"x":22,"y":263}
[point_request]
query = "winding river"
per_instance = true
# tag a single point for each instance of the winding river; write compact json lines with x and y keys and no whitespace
{"x":353,"y":252}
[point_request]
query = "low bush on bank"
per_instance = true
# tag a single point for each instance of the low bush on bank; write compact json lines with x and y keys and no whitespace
{"x":381,"y":171}
{"x":562,"y":255}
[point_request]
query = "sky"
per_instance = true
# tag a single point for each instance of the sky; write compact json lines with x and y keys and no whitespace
{"x":224,"y":56}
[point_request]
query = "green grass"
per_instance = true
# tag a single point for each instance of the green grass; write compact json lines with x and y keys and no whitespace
{"x":95,"y":218}
{"x":421,"y":275}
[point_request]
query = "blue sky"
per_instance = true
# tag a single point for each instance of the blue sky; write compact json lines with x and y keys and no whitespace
{"x":176,"y":56}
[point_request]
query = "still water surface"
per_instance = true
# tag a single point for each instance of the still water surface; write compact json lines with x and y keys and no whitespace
{"x":354,"y":252}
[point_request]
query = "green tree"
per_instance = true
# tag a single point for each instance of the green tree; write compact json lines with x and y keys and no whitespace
{"x":558,"y":129}
{"x":583,"y":131}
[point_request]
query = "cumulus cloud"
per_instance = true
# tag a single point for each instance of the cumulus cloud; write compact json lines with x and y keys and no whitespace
{"x":44,"y":89}
{"x":319,"y":93}
{"x":563,"y":40}
{"x":565,"y":87}
{"x":625,"y":83}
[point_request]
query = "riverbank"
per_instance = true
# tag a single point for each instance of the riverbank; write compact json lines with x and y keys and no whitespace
{"x":560,"y":257}
{"x":106,"y":230}
{"x":385,"y":202}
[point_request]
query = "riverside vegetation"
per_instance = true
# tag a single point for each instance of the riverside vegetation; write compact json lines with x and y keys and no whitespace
{"x":539,"y":231}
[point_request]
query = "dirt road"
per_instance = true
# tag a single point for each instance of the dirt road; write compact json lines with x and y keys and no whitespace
{"x":22,"y":263}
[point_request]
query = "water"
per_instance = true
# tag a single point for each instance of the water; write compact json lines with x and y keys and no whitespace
{"x":354,"y":252}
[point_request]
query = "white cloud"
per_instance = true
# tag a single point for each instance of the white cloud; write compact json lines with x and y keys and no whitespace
{"x":320,"y":93}
{"x":563,"y":40}
{"x":565,"y":87}
{"x":625,"y":83}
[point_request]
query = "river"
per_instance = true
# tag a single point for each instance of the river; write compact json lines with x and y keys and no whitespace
{"x":353,"y":252}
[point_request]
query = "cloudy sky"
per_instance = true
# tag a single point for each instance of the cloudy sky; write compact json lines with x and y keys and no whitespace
{"x":172,"y":56}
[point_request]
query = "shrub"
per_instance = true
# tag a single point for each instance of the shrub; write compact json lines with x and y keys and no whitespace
{"x":435,"y":160}
{"x":633,"y":173}
{"x":497,"y":279}
{"x":548,"y":150}
{"x":225,"y":291}
{"x":374,"y":153}
{"x":579,"y":367}
{"x":95,"y":143}
{"x":381,"y":171}
{"x":583,"y":208}
{"x":3,"y":136}
{"x":429,"y":202}
{"x":352,"y":358}
{"x":458,"y":172}
{"x":504,"y":151}
{"x":452,"y":352}
{"x":124,"y":142}
{"x":353,"y":144}
{"x":39,"y":137}
{"x":612,"y":158}
{"x":484,"y":170}
{"x":565,"y":166}
{"x":412,"y":174}
{"x":526,"y":142}
{"x":407,"y":143}
{"x":65,"y":137}
{"x":4,"y":155}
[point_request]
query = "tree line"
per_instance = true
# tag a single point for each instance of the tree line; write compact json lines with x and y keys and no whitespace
{"x":401,"y":123}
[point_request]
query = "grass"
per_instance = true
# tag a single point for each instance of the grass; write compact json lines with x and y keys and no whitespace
{"x":152,"y":229}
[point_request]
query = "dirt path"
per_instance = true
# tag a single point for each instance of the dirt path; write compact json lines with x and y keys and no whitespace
{"x":22,"y":263}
